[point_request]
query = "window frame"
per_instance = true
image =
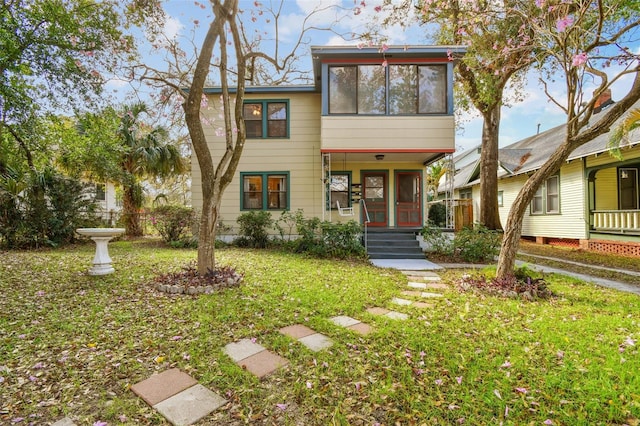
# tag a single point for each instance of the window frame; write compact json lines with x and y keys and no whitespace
{"x":500,"y":198}
{"x":100,"y":192}
{"x":265,"y":117}
{"x":387,"y":89}
{"x":329,"y":202}
{"x":542,"y":193}
{"x":264,"y":176}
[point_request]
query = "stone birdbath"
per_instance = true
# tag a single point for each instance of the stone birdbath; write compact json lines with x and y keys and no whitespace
{"x":102,"y":236}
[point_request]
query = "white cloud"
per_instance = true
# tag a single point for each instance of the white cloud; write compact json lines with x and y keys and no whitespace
{"x":172,"y":28}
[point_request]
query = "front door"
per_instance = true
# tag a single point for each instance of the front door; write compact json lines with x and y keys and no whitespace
{"x":374,"y":192}
{"x":408,"y":199}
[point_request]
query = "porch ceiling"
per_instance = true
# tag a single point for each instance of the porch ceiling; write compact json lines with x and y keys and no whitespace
{"x":423,"y":158}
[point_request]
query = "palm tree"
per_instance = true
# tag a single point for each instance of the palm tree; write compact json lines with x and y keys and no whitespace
{"x":146,"y":153}
{"x":434,"y":173}
{"x":621,"y":133}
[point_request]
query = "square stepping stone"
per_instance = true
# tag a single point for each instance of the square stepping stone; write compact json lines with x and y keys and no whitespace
{"x":396,"y":315}
{"x":162,"y":386}
{"x":377,"y":311}
{"x":411,"y":293}
{"x":344,"y":321}
{"x":438,"y":286}
{"x":190,"y":405}
{"x":296,"y":331}
{"x":64,"y":422}
{"x":263,"y":363}
{"x":422,"y":305}
{"x":421,"y":274}
{"x":361,"y":328}
{"x":403,"y":302}
{"x":414,"y":284}
{"x":427,"y":295}
{"x":242,"y":349}
{"x":316,"y":342}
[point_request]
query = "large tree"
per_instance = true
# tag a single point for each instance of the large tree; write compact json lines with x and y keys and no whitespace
{"x":587,"y":45}
{"x":499,"y":52}
{"x":54,"y":54}
{"x":240,"y":58}
{"x":124,"y":146}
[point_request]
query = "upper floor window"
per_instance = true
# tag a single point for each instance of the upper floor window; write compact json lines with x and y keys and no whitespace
{"x":547,"y":198}
{"x":403,"y":89}
{"x":266,"y":119}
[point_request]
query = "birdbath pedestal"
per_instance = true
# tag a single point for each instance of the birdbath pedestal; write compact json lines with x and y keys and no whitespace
{"x":102,"y":236}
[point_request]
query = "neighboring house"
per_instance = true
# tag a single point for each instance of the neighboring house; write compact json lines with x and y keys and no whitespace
{"x":105,"y":197}
{"x":593,"y":202}
{"x":366,"y":130}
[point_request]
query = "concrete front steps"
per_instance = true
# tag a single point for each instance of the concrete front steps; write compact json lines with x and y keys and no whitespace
{"x":393,"y":243}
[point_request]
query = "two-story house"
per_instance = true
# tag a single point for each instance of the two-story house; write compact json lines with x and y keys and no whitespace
{"x":365,"y":130}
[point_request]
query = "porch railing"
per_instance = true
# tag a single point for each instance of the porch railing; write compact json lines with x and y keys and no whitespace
{"x":616,"y":220}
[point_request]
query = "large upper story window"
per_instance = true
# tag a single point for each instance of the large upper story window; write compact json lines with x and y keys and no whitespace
{"x":266,"y":119}
{"x":403,"y":89}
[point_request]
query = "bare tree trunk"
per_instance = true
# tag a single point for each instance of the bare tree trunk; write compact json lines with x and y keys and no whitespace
{"x":513,"y":230}
{"x":207,"y":232}
{"x":489,"y":215}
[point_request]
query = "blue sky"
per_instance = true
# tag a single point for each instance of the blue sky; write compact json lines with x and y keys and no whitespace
{"x":519,"y":120}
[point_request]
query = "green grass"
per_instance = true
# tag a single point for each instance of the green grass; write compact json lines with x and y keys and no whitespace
{"x":586,"y":259}
{"x":71,"y":344}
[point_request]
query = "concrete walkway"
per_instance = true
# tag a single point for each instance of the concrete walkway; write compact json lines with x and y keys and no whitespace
{"x":423,"y":265}
{"x":604,"y":282}
{"x":406,"y":264}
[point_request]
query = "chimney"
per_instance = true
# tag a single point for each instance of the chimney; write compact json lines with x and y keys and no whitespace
{"x":603,"y":100}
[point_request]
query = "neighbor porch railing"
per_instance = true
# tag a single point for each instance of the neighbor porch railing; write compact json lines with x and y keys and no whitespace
{"x":616,"y":220}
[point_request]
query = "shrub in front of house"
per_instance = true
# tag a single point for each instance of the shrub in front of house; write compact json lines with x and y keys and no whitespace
{"x":314,"y":236}
{"x":471,"y":244}
{"x":43,"y":209}
{"x":254,"y":229}
{"x":438,"y":214}
{"x":476,"y":244}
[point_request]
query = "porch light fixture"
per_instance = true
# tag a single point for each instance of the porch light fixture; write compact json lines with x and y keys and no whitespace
{"x":379,"y":157}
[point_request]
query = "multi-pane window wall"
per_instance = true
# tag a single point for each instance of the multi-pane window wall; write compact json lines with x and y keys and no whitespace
{"x":403,"y":89}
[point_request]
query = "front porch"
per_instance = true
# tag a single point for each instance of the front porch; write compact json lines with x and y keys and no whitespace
{"x":626,"y":222}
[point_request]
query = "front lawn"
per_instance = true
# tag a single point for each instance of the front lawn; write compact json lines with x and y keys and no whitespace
{"x":72,"y":345}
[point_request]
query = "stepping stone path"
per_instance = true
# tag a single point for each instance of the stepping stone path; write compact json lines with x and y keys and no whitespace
{"x":178,"y":397}
{"x":352,"y":324}
{"x":254,"y":358}
{"x":182,"y":401}
{"x":387,"y":313}
{"x":303,"y":334}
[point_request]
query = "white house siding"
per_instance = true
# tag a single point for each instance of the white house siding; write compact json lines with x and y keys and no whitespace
{"x":388,"y":133}
{"x":299,"y":155}
{"x":570,"y":223}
